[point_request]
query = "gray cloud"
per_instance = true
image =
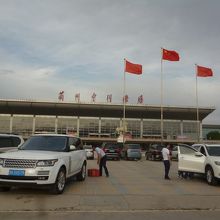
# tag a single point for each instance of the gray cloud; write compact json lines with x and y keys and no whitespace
{"x":79,"y":46}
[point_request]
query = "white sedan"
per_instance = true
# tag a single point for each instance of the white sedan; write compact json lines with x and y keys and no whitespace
{"x":205,"y":160}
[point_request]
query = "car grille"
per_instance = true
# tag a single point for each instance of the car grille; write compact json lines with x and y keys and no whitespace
{"x":19,"y":163}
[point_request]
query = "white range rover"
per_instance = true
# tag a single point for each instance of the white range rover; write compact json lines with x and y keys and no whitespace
{"x":44,"y":160}
{"x":202,"y":159}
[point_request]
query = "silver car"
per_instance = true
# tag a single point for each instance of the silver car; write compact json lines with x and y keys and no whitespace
{"x":131,"y":152}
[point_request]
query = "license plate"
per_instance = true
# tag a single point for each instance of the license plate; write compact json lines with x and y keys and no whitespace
{"x":16,"y":172}
{"x":111,"y":151}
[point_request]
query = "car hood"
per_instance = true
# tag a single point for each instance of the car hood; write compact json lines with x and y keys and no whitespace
{"x":32,"y":154}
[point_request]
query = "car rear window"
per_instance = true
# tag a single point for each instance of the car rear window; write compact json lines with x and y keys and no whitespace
{"x":133,"y":146}
{"x":111,"y":145}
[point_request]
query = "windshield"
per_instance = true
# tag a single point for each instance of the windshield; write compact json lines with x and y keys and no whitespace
{"x":45,"y":143}
{"x":213,"y":151}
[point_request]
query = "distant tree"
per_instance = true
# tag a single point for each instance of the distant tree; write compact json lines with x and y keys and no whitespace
{"x":213,"y":135}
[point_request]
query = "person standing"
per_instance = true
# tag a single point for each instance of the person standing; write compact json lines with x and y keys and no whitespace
{"x":101,"y":160}
{"x":166,"y":161}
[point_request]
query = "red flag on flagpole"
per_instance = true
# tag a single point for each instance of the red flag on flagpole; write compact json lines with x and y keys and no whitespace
{"x":170,"y":55}
{"x":133,"y":68}
{"x":204,"y":71}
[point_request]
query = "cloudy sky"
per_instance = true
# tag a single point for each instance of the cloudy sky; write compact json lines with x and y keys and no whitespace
{"x":79,"y":46}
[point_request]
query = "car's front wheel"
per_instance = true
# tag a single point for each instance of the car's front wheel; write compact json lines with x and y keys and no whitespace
{"x":210,"y":178}
{"x":60,"y":183}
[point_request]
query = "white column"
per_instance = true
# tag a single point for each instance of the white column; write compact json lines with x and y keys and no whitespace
{"x":34,"y":124}
{"x":56,"y":124}
{"x":121,"y":122}
{"x":181,"y":128}
{"x":141,"y":128}
{"x":200,"y":128}
{"x":100,"y":125}
{"x":11,"y":123}
{"x":78,"y":123}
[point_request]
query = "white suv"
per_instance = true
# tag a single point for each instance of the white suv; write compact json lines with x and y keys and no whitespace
{"x":202,"y":159}
{"x":44,"y":160}
{"x":10,"y":142}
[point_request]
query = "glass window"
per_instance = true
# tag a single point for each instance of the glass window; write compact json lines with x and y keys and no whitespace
{"x":187,"y":150}
{"x":88,"y":127}
{"x":109,"y":126}
{"x":190,"y":129}
{"x":22,"y":125}
{"x":6,"y":142}
{"x":5,"y":123}
{"x":67,"y":125}
{"x":45,"y":143}
{"x":213,"y":151}
{"x":133,"y":126}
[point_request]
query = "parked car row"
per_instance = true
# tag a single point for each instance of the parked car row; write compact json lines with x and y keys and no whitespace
{"x":118,"y":151}
{"x":154,"y":151}
{"x":49,"y":159}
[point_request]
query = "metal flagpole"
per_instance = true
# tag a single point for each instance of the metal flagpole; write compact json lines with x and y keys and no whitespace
{"x":197,"y":106}
{"x":161,"y":97}
{"x":124,"y":104}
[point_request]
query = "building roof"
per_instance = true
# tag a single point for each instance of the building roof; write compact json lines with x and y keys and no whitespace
{"x":27,"y":107}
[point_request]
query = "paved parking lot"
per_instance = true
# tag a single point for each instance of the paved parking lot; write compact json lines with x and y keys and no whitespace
{"x":134,"y":189}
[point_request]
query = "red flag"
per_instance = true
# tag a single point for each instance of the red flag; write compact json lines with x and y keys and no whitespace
{"x":133,"y":68}
{"x":204,"y":71}
{"x":170,"y":55}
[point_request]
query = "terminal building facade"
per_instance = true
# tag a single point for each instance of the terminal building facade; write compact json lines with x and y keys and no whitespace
{"x":101,"y":121}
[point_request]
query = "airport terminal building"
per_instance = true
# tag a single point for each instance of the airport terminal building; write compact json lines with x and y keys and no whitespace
{"x":101,"y":121}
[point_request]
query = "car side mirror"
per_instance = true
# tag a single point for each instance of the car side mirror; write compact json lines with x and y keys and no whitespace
{"x":198,"y":154}
{"x":72,"y":147}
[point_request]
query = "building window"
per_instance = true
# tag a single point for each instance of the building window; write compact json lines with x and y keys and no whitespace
{"x":23,"y":125}
{"x":45,"y":124}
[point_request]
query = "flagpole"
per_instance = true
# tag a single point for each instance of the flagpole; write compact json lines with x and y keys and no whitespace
{"x":197,"y":106}
{"x":161,"y":97}
{"x":124,"y":104}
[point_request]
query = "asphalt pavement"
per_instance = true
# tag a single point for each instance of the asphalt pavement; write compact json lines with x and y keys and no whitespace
{"x":134,"y":190}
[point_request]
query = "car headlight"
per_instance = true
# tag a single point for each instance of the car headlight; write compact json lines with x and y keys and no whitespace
{"x":217,"y":163}
{"x":1,"y":161}
{"x":46,"y":163}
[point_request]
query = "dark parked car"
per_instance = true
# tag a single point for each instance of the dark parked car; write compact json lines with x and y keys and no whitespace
{"x":112,"y":150}
{"x":131,"y":151}
{"x":154,"y":152}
